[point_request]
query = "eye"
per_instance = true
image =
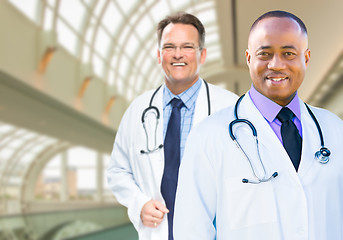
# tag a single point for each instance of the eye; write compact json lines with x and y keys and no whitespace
{"x":289,"y":53}
{"x":263,"y":53}
{"x":188,"y":47}
{"x":168,"y":47}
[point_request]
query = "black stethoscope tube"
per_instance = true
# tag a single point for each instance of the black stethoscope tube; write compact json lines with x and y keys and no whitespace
{"x":322,"y":155}
{"x":157,"y":113}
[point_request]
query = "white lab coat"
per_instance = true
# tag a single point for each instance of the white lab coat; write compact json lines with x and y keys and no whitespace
{"x":135,"y":178}
{"x":293,"y":206}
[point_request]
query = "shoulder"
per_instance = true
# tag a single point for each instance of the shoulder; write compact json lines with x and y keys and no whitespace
{"x":137,"y":106}
{"x":325,"y":116}
{"x":221,"y":98}
{"x":218,"y":92}
{"x":215,"y":123}
{"x":142,"y":99}
{"x":329,"y":122}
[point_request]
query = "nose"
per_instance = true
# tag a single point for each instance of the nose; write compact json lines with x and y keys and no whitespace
{"x":276,"y":63}
{"x":178,"y":53}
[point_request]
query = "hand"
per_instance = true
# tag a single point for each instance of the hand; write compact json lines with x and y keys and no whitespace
{"x":152,"y":213}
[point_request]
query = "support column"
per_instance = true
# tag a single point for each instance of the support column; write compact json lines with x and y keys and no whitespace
{"x":99,"y":178}
{"x":64,"y":177}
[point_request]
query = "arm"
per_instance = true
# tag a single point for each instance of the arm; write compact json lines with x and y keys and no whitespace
{"x":195,"y":206}
{"x":121,"y":179}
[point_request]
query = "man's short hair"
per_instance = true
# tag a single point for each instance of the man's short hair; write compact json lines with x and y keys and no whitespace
{"x":280,"y":14}
{"x":183,"y":18}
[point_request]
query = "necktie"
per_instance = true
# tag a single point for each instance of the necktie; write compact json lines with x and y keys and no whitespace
{"x":290,"y":136}
{"x":171,"y":161}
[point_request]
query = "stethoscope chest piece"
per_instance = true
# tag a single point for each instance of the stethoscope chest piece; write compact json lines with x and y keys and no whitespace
{"x":323,"y":155}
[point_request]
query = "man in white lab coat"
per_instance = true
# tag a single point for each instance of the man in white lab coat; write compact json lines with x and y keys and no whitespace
{"x":262,"y":191}
{"x":137,"y":166}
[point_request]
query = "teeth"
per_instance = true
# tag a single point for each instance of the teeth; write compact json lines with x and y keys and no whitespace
{"x":276,"y":79}
{"x":179,"y":64}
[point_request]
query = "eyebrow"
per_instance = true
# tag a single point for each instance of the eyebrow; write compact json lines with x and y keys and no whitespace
{"x":283,"y":47}
{"x":185,"y":43}
{"x":288,"y":46}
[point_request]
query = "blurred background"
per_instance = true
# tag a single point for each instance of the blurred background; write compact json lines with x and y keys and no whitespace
{"x":70,"y":68}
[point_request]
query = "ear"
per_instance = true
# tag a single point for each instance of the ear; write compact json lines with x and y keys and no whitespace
{"x":203,"y":55}
{"x":247,"y":56}
{"x":159,"y":56}
{"x":307,"y":57}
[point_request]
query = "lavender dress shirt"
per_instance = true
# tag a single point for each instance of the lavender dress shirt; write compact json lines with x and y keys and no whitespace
{"x":270,"y":109}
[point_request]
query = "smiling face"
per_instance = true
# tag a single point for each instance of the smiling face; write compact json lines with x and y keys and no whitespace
{"x":181,"y":68}
{"x":277,"y":57}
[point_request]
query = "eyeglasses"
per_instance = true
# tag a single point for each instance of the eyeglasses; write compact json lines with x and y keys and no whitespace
{"x":183,"y":48}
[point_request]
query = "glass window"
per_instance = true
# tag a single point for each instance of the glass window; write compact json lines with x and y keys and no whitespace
{"x":213,"y":54}
{"x":159,"y":11}
{"x":98,"y":65}
{"x":52,"y":3}
{"x":48,"y":19}
{"x":110,"y":79}
{"x":212,"y":39}
{"x":112,"y":18}
{"x":124,"y":66}
{"x":90,"y":33}
{"x":132,"y":45}
{"x":102,"y":42}
{"x":99,"y":7}
{"x":144,"y":27}
{"x":66,"y":37}
{"x":81,"y":172}
{"x":73,"y":12}
{"x":120,"y":85}
{"x":4,"y":128}
{"x":28,"y":7}
{"x":125,"y":35}
{"x":85,"y":54}
{"x":6,"y":153}
{"x":15,"y":143}
{"x":127,"y":5}
{"x":48,"y":185}
{"x":88,"y":2}
{"x":177,"y":4}
{"x":207,"y":17}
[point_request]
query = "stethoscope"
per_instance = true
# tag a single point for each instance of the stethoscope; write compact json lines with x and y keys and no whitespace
{"x":154,"y":110}
{"x":322,"y":156}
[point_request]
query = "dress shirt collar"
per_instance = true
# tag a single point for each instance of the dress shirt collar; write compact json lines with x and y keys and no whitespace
{"x":188,"y":96}
{"x":270,"y":109}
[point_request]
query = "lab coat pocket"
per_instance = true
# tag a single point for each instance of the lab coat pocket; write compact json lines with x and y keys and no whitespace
{"x":251,"y":204}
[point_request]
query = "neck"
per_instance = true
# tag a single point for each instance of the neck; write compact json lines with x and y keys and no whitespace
{"x":179,"y":87}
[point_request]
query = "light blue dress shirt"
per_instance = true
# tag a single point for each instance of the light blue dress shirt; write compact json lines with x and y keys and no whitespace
{"x":188,"y":97}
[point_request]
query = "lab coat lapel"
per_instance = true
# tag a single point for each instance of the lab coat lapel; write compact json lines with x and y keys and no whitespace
{"x":156,"y":159}
{"x":273,"y":154}
{"x":311,"y":141}
{"x":201,"y":107}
